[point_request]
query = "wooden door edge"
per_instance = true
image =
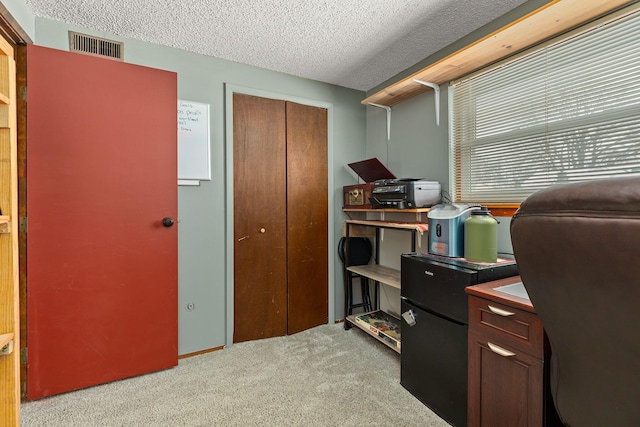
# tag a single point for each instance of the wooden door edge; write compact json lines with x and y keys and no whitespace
{"x":21,"y":84}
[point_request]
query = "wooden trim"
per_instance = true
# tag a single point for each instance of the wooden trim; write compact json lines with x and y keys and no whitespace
{"x":546,"y":22}
{"x":498,"y":209}
{"x":198,"y":353}
{"x":21,"y":105}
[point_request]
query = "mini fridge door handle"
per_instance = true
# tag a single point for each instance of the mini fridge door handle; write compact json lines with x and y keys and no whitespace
{"x":409,"y":317}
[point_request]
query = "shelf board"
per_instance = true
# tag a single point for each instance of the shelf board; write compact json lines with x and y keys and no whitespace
{"x":416,"y":226}
{"x":550,"y":20}
{"x":4,"y":99}
{"x":418,"y":210}
{"x":352,"y":319}
{"x":5,"y":339}
{"x":4,"y":224}
{"x":379,"y":273}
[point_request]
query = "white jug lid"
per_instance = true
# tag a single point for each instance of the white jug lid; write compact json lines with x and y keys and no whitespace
{"x":450,"y":210}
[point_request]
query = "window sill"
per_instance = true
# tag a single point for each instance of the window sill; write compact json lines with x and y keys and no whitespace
{"x":502,"y":209}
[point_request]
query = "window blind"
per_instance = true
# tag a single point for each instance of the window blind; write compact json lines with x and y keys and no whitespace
{"x":565,"y":112}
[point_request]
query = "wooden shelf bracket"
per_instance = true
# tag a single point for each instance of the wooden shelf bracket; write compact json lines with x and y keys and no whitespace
{"x":436,"y":89}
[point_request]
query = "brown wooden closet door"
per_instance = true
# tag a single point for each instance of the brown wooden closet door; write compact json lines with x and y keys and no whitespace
{"x":260,"y":252}
{"x":307,"y":210}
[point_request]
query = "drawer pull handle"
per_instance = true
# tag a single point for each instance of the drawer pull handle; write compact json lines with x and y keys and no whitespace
{"x":499,"y":350}
{"x":500,"y":311}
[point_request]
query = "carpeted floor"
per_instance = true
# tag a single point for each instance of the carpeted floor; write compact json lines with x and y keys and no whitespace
{"x":324,"y":376}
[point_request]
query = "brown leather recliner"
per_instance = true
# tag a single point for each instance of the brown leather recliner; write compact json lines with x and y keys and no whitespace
{"x":578,"y":252}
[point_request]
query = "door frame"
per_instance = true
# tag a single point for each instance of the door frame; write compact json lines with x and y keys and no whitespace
{"x":229,"y":91}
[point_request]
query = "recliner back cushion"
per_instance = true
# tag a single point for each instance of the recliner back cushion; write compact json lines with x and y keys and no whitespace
{"x":578,"y":253}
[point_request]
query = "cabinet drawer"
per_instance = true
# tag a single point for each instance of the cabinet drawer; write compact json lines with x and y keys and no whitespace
{"x":505,"y":385}
{"x":517,"y":328}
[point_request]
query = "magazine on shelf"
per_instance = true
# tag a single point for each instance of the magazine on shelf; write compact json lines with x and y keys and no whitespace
{"x":383,"y":325}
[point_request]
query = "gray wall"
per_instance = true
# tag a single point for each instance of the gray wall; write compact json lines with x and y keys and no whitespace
{"x":418,"y":148}
{"x":204,"y":210}
{"x":22,"y":14}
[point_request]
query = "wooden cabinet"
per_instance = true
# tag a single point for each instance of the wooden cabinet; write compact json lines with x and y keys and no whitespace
{"x":505,"y":366}
{"x":508,"y":359}
{"x":9,"y":304}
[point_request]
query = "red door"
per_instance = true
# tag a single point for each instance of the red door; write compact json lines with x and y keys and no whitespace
{"x":101,"y":176}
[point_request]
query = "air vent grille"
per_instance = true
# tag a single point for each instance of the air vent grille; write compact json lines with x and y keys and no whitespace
{"x":96,"y":46}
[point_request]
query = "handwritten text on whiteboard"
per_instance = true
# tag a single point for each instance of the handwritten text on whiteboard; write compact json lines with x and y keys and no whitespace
{"x":194,"y":160}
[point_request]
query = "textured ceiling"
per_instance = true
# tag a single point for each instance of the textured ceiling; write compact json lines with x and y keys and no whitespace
{"x":351,"y":43}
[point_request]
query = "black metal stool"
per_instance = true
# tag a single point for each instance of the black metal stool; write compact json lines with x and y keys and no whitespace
{"x":360,"y":252}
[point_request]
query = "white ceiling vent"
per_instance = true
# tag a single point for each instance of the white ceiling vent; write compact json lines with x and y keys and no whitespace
{"x":95,"y":46}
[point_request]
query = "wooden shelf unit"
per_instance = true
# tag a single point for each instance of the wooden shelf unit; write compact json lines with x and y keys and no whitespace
{"x":548,"y":21}
{"x":9,"y":292}
{"x":381,"y":274}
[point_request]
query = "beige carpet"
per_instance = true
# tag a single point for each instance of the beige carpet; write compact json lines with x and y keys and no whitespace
{"x":325,"y":376}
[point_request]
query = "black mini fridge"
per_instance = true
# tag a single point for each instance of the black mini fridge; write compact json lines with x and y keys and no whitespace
{"x":433,"y":361}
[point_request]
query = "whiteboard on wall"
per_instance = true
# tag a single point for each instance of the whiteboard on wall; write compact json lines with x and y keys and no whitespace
{"x":194,"y":159}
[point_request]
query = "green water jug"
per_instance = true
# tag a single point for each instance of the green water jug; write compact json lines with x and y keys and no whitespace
{"x":481,"y":236}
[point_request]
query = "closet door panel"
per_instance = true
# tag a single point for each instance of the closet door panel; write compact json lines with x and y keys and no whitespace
{"x":307,"y":207}
{"x":260,"y":231}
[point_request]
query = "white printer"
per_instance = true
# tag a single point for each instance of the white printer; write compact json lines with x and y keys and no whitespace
{"x":406,"y":193}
